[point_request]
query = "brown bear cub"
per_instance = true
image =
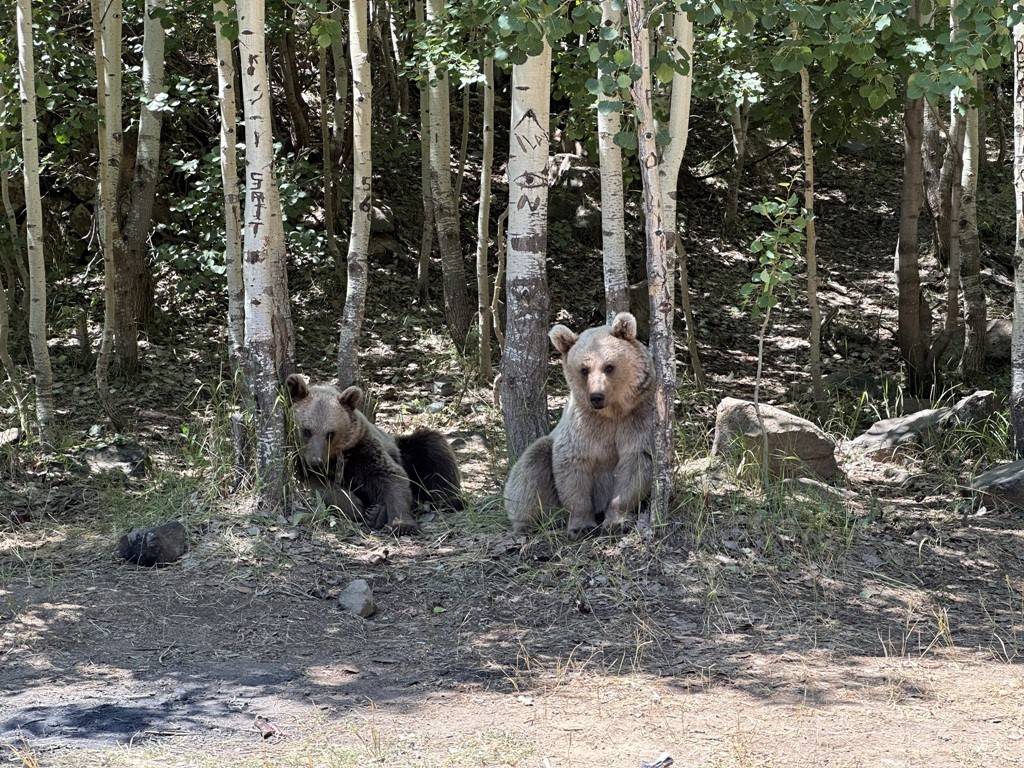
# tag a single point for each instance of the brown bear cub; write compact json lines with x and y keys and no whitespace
{"x":597,"y":462}
{"x":367,"y":473}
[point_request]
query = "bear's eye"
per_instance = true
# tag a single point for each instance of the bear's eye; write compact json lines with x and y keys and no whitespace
{"x":609,"y":369}
{"x":585,"y":371}
{"x":306,"y":434}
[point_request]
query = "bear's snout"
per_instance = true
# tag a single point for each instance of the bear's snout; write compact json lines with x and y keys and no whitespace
{"x":597,"y":400}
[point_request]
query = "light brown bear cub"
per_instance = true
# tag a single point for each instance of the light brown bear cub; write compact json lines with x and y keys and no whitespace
{"x":598,"y":459}
{"x":366,"y":472}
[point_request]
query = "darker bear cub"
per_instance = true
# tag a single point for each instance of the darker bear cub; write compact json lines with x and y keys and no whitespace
{"x":363,"y":470}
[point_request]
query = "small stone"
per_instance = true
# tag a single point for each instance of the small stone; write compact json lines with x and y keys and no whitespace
{"x":10,"y":436}
{"x":435,"y":407}
{"x":444,"y":388}
{"x":95,"y":430}
{"x":998,"y":336}
{"x":160,"y":545}
{"x":127,"y":458}
{"x":357,"y":598}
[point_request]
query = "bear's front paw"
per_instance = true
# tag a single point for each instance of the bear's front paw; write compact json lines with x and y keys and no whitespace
{"x":581,"y":525}
{"x":615,"y":524}
{"x":403,"y":523}
{"x":376,"y":516}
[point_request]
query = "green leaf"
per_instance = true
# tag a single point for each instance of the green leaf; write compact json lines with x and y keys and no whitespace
{"x":623,"y":58}
{"x":608,"y":106}
{"x":323,"y":40}
{"x":594,"y":53}
{"x":664,"y":73}
{"x":625,"y":139}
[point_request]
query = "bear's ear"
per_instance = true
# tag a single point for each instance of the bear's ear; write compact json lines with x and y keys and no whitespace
{"x":624,"y":326}
{"x":351,"y":398}
{"x":298,"y":387}
{"x":562,"y":338}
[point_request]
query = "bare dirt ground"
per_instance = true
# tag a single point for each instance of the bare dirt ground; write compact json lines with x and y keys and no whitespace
{"x":878,"y":625}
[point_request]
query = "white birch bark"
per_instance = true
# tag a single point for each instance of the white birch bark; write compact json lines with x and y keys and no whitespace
{"x":660,"y":238}
{"x":524,"y":361}
{"x":811,"y":240}
{"x":34,"y":224}
{"x":135,"y":281}
{"x":446,"y":206}
{"x":327,"y":157}
{"x":970,"y":250}
{"x":262,"y":207}
{"x":1017,"y":342}
{"x":613,"y":223}
{"x":106,"y":18}
{"x":229,"y":176}
{"x":362,"y":195}
{"x":483,"y":223}
{"x":339,"y":57}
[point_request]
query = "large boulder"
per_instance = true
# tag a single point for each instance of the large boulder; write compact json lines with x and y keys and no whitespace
{"x":796,"y":447}
{"x":1002,"y":485}
{"x":126,"y":457}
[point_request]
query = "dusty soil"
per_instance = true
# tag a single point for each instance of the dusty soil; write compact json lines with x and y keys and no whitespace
{"x":880,"y":626}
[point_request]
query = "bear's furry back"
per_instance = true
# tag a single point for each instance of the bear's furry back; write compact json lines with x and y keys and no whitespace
{"x":433,"y":471}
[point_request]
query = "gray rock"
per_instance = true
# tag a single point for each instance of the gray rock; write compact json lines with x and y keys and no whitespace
{"x":796,"y":447}
{"x":1002,"y":485}
{"x":154,"y":546}
{"x":357,"y":598}
{"x":128,"y":458}
{"x":997,"y":340}
{"x":975,"y":407}
{"x":444,"y":387}
{"x":10,"y":436}
{"x":435,"y":407}
{"x":885,"y":436}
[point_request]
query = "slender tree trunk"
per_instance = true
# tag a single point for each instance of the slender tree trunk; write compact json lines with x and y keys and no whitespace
{"x":739,"y":121}
{"x":668,"y":172}
{"x":14,"y":262}
{"x":327,"y":159}
{"x":339,"y":57}
{"x":660,"y":237}
{"x":463,"y":147}
{"x":483,"y":223}
{"x":297,"y":109}
{"x":135,"y":282}
{"x":936,"y":196}
{"x":811,"y":241}
{"x":362,"y":195}
{"x":1017,"y":343}
{"x":499,"y":282}
{"x":107,"y":44}
{"x":913,"y":330}
{"x":525,"y":357}
{"x":970,"y":251}
{"x":446,"y":206}
{"x":260,"y":265}
{"x":427,"y":233}
{"x":613,"y":219}
{"x":229,"y":177}
{"x":34,"y":224}
{"x":382,"y":32}
{"x":952,"y":200}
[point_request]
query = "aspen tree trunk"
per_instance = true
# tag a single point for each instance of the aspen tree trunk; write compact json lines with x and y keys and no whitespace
{"x":382,"y":32}
{"x":339,"y":57}
{"x":427,"y":234}
{"x":811,"y":241}
{"x":672,"y":160}
{"x":613,"y":220}
{"x":952,"y":201}
{"x":970,"y":251}
{"x":1017,"y":343}
{"x":913,"y":315}
{"x":16,"y":262}
{"x":362,"y":195}
{"x":524,"y":361}
{"x":107,"y":45}
{"x":483,"y":223}
{"x":135,"y":282}
{"x":660,"y":271}
{"x":936,"y":184}
{"x":499,"y":282}
{"x":292,"y":89}
{"x":229,"y":178}
{"x":463,"y":147}
{"x":739,"y":122}
{"x":446,"y":207}
{"x":260,"y":273}
{"x":327,"y":159}
{"x":34,"y":224}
